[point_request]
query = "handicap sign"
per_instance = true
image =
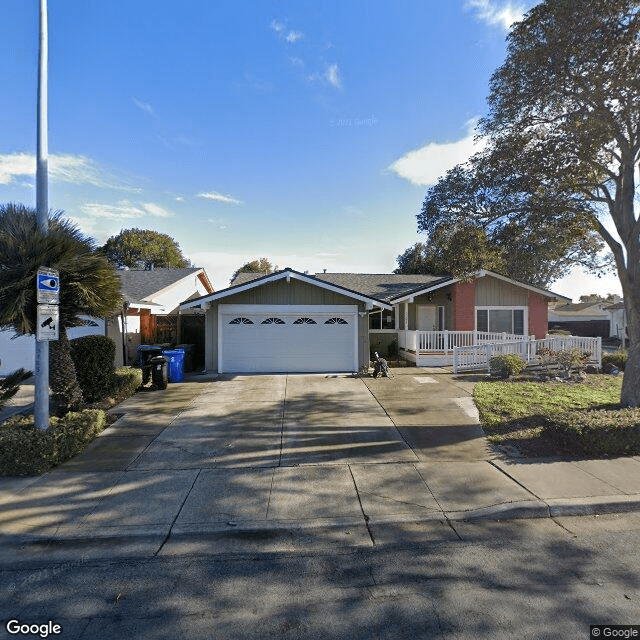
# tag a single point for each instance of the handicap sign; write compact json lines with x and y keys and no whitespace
{"x":48,"y":287}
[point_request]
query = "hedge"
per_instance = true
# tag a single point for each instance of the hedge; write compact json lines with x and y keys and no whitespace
{"x":600,"y":431}
{"x":93,"y":357}
{"x":25,"y":450}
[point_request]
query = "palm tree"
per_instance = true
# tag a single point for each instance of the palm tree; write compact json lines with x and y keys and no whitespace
{"x":88,"y":285}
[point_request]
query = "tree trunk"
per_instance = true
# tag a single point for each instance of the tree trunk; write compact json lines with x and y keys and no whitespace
{"x":66,"y":394}
{"x":630,"y":395}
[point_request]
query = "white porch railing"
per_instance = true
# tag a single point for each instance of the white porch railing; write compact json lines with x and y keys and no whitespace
{"x":433,"y":348}
{"x":478,"y":357}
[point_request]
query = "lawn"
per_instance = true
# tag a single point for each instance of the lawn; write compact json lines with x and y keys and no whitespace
{"x":578,"y":419}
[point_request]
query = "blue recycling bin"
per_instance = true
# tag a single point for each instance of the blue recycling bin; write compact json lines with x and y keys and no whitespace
{"x":176,"y":364}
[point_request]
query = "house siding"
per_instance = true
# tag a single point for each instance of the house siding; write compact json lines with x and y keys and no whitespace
{"x":292,"y":292}
{"x":491,"y":292}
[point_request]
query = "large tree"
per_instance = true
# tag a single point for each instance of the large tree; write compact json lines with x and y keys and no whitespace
{"x":477,"y":218}
{"x":89,"y":285}
{"x":144,"y":249}
{"x":565,"y":109}
{"x":564,"y":126}
{"x":259,"y":265}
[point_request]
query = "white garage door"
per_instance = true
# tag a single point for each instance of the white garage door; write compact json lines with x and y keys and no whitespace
{"x":301,"y":338}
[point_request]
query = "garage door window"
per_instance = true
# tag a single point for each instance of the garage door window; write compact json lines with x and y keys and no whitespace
{"x":336,"y":321}
{"x":241,"y":321}
{"x":304,"y":321}
{"x":273,"y":321}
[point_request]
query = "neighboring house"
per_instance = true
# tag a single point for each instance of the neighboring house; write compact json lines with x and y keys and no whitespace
{"x":150,"y":314}
{"x":290,"y":321}
{"x":617,"y":321}
{"x":581,"y":319}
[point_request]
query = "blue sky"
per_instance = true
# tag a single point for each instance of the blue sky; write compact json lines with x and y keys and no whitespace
{"x":306,"y":132}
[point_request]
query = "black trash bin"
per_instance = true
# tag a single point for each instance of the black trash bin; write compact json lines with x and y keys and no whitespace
{"x":159,"y":375}
{"x":145,"y":353}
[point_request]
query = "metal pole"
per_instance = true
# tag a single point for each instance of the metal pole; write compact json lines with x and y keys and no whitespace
{"x":41,"y":409}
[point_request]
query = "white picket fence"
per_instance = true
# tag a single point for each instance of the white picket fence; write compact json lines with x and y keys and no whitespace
{"x":478,"y":357}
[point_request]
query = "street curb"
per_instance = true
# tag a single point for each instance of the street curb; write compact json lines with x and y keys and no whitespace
{"x":158,"y":533}
{"x":524,"y":509}
{"x":593,"y":505}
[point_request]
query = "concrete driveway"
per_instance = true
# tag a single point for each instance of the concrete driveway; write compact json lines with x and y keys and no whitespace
{"x":291,"y":420}
{"x":292,"y":462}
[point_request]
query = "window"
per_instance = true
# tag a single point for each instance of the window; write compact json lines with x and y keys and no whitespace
{"x":382,"y":320}
{"x":336,"y":321}
{"x":241,"y":321}
{"x":501,"y":320}
{"x":273,"y":321}
{"x":304,"y":321}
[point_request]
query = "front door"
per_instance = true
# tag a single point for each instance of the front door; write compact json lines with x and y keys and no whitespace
{"x":426,"y":318}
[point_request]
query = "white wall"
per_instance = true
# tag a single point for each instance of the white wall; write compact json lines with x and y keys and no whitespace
{"x":16,"y":353}
{"x":21,"y":352}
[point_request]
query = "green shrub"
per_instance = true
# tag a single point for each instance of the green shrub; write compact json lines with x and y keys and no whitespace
{"x":25,"y":450}
{"x":600,"y":431}
{"x":125,"y":383}
{"x":572,"y":358}
{"x":506,"y":366}
{"x":66,"y":393}
{"x":617,"y":359}
{"x":94,"y":357}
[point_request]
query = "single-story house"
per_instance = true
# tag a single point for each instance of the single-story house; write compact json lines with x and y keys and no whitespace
{"x":151,"y":311}
{"x":581,"y":319}
{"x":290,"y":321}
{"x":150,"y":314}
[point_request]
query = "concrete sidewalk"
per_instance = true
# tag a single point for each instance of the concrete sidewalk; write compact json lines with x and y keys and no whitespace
{"x":251,"y":463}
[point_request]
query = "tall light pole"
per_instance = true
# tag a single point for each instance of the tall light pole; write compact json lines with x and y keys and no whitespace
{"x":41,"y":407}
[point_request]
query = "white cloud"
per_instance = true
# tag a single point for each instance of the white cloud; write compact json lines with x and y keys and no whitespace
{"x":14,"y":165}
{"x":294,"y":36}
{"x":219,"y":197}
{"x":425,"y":165}
{"x":155,"y":210}
{"x":61,"y":168}
{"x":125,"y":210}
{"x":494,"y":12}
{"x":144,"y":106}
{"x":289,"y":35}
{"x":332,"y":76}
{"x":297,"y":62}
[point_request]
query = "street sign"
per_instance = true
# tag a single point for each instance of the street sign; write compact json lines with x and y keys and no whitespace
{"x":48,"y":286}
{"x":47,"y":321}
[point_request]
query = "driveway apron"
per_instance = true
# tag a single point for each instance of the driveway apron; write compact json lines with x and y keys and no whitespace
{"x":434,"y":413}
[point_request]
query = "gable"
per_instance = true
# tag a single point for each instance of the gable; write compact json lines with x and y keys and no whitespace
{"x":492,"y":292}
{"x":281,"y":292}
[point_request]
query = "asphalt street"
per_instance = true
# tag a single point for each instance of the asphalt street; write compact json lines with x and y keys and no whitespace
{"x":530,"y":579}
